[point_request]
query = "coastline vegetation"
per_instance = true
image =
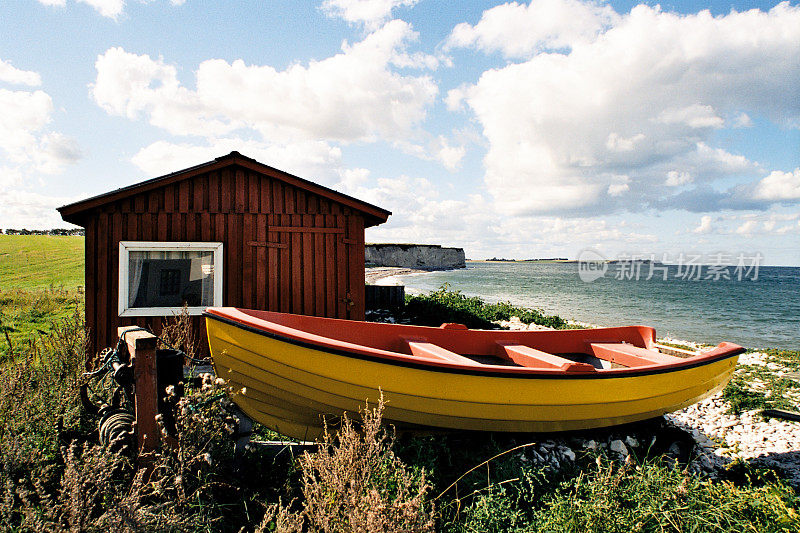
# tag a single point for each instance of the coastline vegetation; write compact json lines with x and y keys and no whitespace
{"x":448,"y":305}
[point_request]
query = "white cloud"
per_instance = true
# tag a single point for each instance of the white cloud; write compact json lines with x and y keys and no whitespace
{"x":779,"y":186}
{"x":615,"y":143}
{"x":695,"y":116}
{"x":518,"y":30}
{"x":26,"y":144}
{"x":747,"y":228}
{"x":641,"y":94}
{"x":11,"y":74}
{"x":314,"y":160}
{"x":676,"y":178}
{"x":743,"y":121}
{"x":618,"y":189}
{"x":107,"y":8}
{"x":352,"y":96}
{"x":31,"y":210}
{"x":371,"y":13}
{"x":705,"y":225}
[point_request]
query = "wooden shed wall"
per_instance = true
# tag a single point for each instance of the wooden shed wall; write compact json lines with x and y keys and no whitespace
{"x":285,"y":249}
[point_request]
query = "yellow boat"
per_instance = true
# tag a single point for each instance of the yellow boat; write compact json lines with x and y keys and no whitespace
{"x":289,"y":371}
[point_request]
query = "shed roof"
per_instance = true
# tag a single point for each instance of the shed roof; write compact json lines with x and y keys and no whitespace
{"x":76,"y":212}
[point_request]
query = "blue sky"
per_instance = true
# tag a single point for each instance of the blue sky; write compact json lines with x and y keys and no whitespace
{"x":529,"y":129}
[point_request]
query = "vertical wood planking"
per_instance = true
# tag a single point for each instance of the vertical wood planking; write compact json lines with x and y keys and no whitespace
{"x":189,"y":226}
{"x":115,"y":235}
{"x":296,"y":247}
{"x":356,"y":255}
{"x":341,"y":272}
{"x":252,"y":195}
{"x":319,"y":268}
{"x":273,"y":268}
{"x":205,"y":227}
{"x":277,"y":197}
{"x":330,"y":269}
{"x":226,"y":191}
{"x":219,"y":236}
{"x":240,"y":191}
{"x":102,"y":280}
{"x":308,"y":265}
{"x":234,"y":260}
{"x":213,"y":192}
{"x":183,"y":196}
{"x":265,"y":189}
{"x":90,"y":284}
{"x":261,"y":263}
{"x":248,"y":286}
{"x":163,"y":226}
{"x":200,"y":184}
{"x":286,"y":267}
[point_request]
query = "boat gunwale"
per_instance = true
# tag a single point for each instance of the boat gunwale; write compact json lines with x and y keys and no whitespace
{"x":727,"y":351}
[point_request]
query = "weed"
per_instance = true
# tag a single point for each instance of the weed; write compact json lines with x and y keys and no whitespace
{"x":354,"y":482}
{"x":177,"y":332}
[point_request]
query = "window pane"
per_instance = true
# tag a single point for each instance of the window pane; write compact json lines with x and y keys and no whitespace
{"x":170,"y":279}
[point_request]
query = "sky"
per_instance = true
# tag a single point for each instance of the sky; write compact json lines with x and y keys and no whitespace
{"x":517,"y":130}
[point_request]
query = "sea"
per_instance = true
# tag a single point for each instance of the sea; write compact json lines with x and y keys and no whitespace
{"x":756,"y":307}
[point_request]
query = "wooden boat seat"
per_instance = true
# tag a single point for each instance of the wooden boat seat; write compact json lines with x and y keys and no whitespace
{"x":420,"y":348}
{"x":533,"y":358}
{"x":630,"y":355}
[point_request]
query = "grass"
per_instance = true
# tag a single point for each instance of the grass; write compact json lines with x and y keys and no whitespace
{"x":34,"y":262}
{"x":27,"y":315}
{"x":765,"y":386}
{"x":41,"y":282}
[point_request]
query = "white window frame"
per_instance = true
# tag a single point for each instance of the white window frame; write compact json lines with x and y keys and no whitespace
{"x":125,"y":247}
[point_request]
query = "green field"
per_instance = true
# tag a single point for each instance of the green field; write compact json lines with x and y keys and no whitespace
{"x":33,"y":262}
{"x":41,"y":283}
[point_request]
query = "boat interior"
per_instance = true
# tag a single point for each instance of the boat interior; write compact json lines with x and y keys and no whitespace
{"x":578,"y":350}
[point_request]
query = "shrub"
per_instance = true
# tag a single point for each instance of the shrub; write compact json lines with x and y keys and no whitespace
{"x":445,"y":305}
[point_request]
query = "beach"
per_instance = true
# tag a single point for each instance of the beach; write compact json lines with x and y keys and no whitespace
{"x":388,"y":275}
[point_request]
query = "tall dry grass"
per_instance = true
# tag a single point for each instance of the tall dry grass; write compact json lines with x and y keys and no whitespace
{"x":355,"y":483}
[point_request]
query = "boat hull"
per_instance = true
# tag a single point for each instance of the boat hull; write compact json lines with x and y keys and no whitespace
{"x":290,"y":386}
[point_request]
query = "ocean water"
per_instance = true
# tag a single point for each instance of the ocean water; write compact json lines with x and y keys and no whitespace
{"x":760,"y":310}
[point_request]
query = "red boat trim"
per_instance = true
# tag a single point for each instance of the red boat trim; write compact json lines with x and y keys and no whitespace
{"x":512,"y":372}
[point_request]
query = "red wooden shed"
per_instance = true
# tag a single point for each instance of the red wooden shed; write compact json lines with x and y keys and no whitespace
{"x":231,"y":232}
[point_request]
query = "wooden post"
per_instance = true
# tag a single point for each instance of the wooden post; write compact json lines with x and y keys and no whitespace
{"x":142,"y":350}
